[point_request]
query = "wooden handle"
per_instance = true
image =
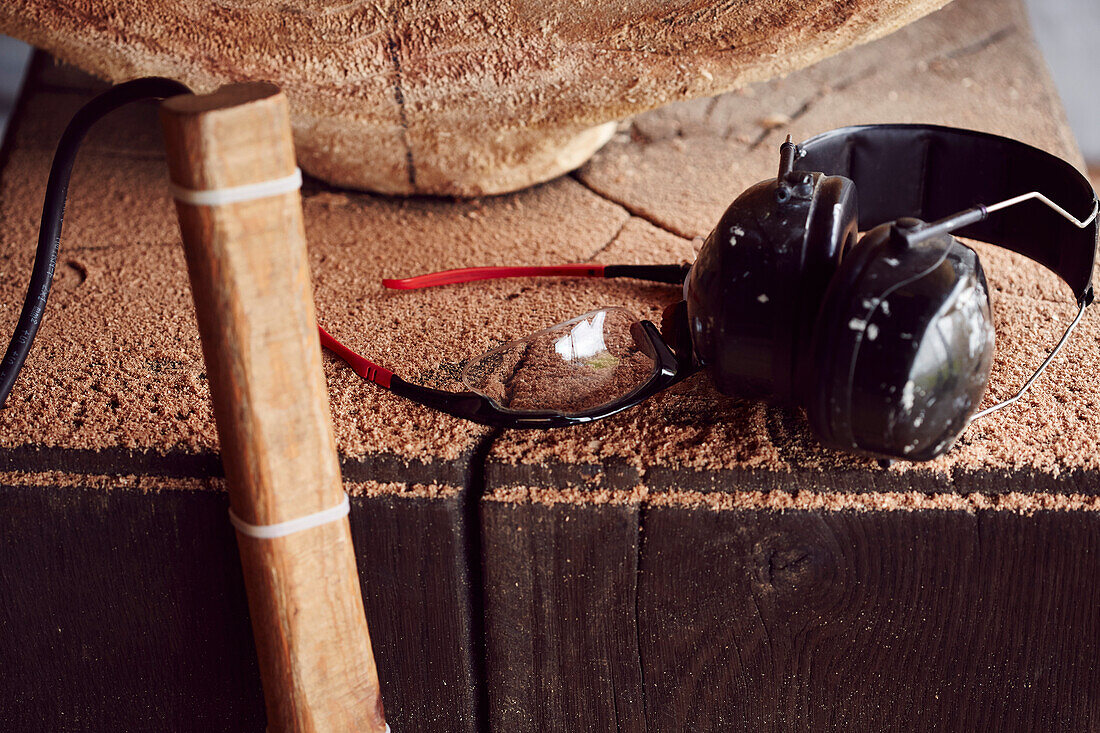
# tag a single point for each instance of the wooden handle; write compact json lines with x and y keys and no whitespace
{"x":251,"y":285}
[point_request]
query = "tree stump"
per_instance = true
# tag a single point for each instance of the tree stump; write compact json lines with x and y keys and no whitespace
{"x":461,"y":98}
{"x":695,"y":563}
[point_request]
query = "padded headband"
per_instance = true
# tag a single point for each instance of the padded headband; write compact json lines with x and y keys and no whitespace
{"x":930,"y":172}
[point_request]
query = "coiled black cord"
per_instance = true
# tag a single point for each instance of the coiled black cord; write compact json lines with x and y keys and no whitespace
{"x":53,"y":212}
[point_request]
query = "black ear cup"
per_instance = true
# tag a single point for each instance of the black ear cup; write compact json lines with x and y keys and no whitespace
{"x":757,"y":283}
{"x":902,"y":347}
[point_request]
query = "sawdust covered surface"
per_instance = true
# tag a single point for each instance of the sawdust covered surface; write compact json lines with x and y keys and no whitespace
{"x":144,"y":484}
{"x":396,"y":489}
{"x":152,"y":484}
{"x":118,"y":363}
{"x":785,"y":501}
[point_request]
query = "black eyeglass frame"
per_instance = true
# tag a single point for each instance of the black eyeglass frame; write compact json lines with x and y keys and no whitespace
{"x":669,"y":369}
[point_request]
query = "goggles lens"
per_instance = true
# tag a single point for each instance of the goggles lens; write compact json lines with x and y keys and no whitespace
{"x":583,"y":364}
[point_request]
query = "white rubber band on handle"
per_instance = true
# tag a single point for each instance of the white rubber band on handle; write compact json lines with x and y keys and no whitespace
{"x":282,"y":529}
{"x":386,"y":731}
{"x":236,"y":194}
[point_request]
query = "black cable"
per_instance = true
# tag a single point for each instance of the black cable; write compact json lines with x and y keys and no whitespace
{"x":53,"y":212}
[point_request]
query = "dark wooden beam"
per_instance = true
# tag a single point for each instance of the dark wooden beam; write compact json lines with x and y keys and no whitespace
{"x":123,"y":610}
{"x":610,"y":596}
{"x":562,"y":643}
{"x":758,"y":620}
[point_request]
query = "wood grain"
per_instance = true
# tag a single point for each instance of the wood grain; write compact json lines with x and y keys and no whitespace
{"x":562,"y":647}
{"x":123,"y":611}
{"x":757,"y":620}
{"x":468,"y":98}
{"x":250,"y":281}
{"x":127,"y":334}
{"x":419,"y":568}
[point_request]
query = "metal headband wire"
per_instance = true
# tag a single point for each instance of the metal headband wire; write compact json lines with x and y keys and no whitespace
{"x":1042,"y":367}
{"x":1084,"y":303}
{"x":1058,"y":209}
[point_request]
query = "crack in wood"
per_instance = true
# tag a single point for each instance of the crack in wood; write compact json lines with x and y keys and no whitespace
{"x":812,"y":101}
{"x":711,"y":105}
{"x":399,"y":96}
{"x":631,"y":209}
{"x":473,"y":541}
{"x":611,"y":241}
{"x":760,"y":615}
{"x":968,"y":50}
{"x":637,"y":575}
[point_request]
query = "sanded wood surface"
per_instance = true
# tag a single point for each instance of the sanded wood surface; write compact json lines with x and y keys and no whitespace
{"x":466,"y":97}
{"x":647,"y":530}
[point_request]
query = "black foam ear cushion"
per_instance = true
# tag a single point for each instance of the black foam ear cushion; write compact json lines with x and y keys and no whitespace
{"x":901,"y":349}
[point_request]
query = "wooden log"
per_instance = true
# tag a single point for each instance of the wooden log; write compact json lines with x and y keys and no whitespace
{"x":711,"y":616}
{"x":250,"y":282}
{"x":553,"y":608}
{"x":133,"y":570}
{"x":116,"y":385}
{"x":465,"y":98}
{"x":419,"y":568}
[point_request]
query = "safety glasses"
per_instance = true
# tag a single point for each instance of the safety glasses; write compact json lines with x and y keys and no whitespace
{"x":587,"y":368}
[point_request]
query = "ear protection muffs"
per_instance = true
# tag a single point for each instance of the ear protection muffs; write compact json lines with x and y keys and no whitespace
{"x":887,"y":344}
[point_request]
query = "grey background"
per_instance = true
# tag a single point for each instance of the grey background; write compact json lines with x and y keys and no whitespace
{"x":1068,"y":32}
{"x":1069,"y":35}
{"x":14,"y":56}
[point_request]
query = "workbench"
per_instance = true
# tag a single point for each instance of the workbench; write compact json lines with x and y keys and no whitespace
{"x":696,"y":563}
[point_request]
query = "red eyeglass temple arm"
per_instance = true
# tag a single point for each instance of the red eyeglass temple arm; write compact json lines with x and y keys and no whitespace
{"x":470,"y":274}
{"x":365,"y":368}
{"x":674,"y":274}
